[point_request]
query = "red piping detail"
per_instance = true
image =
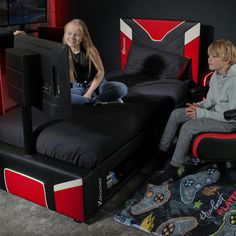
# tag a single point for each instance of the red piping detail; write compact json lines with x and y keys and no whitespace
{"x":200,"y":137}
{"x":206,"y":78}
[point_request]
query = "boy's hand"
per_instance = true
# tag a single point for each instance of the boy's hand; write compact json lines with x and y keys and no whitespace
{"x":190,"y":110}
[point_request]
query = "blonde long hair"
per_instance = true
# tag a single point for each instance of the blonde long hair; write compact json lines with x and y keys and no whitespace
{"x":223,"y":48}
{"x":87,"y":44}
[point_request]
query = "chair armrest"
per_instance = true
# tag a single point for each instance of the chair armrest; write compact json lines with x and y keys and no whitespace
{"x":230,"y":114}
{"x":190,"y":83}
{"x":198,"y":93}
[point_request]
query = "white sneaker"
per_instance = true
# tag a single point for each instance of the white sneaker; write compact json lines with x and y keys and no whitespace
{"x":119,"y":100}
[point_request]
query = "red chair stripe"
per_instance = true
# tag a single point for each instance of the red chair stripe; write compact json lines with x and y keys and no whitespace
{"x":202,"y":136}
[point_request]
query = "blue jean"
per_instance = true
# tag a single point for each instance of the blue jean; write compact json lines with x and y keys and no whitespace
{"x":107,"y":92}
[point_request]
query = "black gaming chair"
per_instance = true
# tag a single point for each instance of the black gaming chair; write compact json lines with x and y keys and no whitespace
{"x":209,"y":146}
{"x":218,"y":147}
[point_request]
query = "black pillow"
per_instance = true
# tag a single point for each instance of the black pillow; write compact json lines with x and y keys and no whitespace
{"x":155,"y":63}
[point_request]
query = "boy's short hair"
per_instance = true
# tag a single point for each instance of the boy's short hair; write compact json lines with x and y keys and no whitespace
{"x":223,"y":48}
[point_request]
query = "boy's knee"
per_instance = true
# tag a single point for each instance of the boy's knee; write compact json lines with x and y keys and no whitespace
{"x":177,"y":113}
{"x":187,"y":128}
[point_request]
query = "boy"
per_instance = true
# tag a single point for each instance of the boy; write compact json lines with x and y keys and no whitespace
{"x":205,"y":116}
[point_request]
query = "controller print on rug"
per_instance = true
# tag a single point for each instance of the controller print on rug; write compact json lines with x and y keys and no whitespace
{"x":177,"y":226}
{"x":191,"y":184}
{"x":201,"y":203}
{"x":228,"y":227}
{"x":156,"y":196}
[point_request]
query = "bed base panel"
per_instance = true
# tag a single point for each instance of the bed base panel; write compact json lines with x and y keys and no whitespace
{"x":70,"y":190}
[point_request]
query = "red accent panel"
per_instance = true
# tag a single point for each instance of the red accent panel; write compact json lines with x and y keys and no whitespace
{"x":200,"y":137}
{"x":125,"y":43}
{"x":53,"y":12}
{"x":25,"y":187}
{"x":191,"y":50}
{"x":62,"y":12}
{"x":157,"y":29}
{"x":70,"y":202}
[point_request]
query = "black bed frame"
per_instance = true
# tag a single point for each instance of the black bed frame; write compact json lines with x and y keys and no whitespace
{"x":60,"y":186}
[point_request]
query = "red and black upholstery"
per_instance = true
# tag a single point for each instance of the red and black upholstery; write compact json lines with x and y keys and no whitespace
{"x":216,"y":146}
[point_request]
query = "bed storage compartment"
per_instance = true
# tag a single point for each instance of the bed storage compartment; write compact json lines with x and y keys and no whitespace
{"x":63,"y":187}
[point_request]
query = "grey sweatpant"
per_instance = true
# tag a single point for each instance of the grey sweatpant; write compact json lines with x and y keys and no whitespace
{"x":189,"y":128}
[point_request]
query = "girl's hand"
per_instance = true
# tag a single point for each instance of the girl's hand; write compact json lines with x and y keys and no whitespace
{"x":190,"y":110}
{"x":87,"y":95}
{"x":18,"y":32}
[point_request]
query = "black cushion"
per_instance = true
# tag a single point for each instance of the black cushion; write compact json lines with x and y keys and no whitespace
{"x":158,"y":64}
{"x":95,"y":133}
{"x":11,"y":127}
{"x":145,"y":89}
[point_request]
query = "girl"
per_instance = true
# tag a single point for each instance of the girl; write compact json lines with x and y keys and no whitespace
{"x":86,"y":69}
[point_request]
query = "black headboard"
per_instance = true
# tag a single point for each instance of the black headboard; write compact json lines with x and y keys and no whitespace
{"x":176,"y":36}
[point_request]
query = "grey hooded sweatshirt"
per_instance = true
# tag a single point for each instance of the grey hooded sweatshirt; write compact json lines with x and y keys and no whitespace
{"x":220,"y":97}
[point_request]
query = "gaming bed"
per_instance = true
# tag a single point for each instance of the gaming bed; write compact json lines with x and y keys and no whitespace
{"x":71,"y":159}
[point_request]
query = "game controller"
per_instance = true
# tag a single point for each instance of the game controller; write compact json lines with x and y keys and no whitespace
{"x":124,"y":216}
{"x":191,"y":184}
{"x":177,"y":226}
{"x":155,"y":197}
{"x":228,"y":227}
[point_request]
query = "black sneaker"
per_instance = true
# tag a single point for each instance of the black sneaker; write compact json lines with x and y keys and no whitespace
{"x":172,"y":173}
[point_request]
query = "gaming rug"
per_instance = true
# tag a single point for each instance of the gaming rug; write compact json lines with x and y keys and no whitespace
{"x":201,"y":203}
